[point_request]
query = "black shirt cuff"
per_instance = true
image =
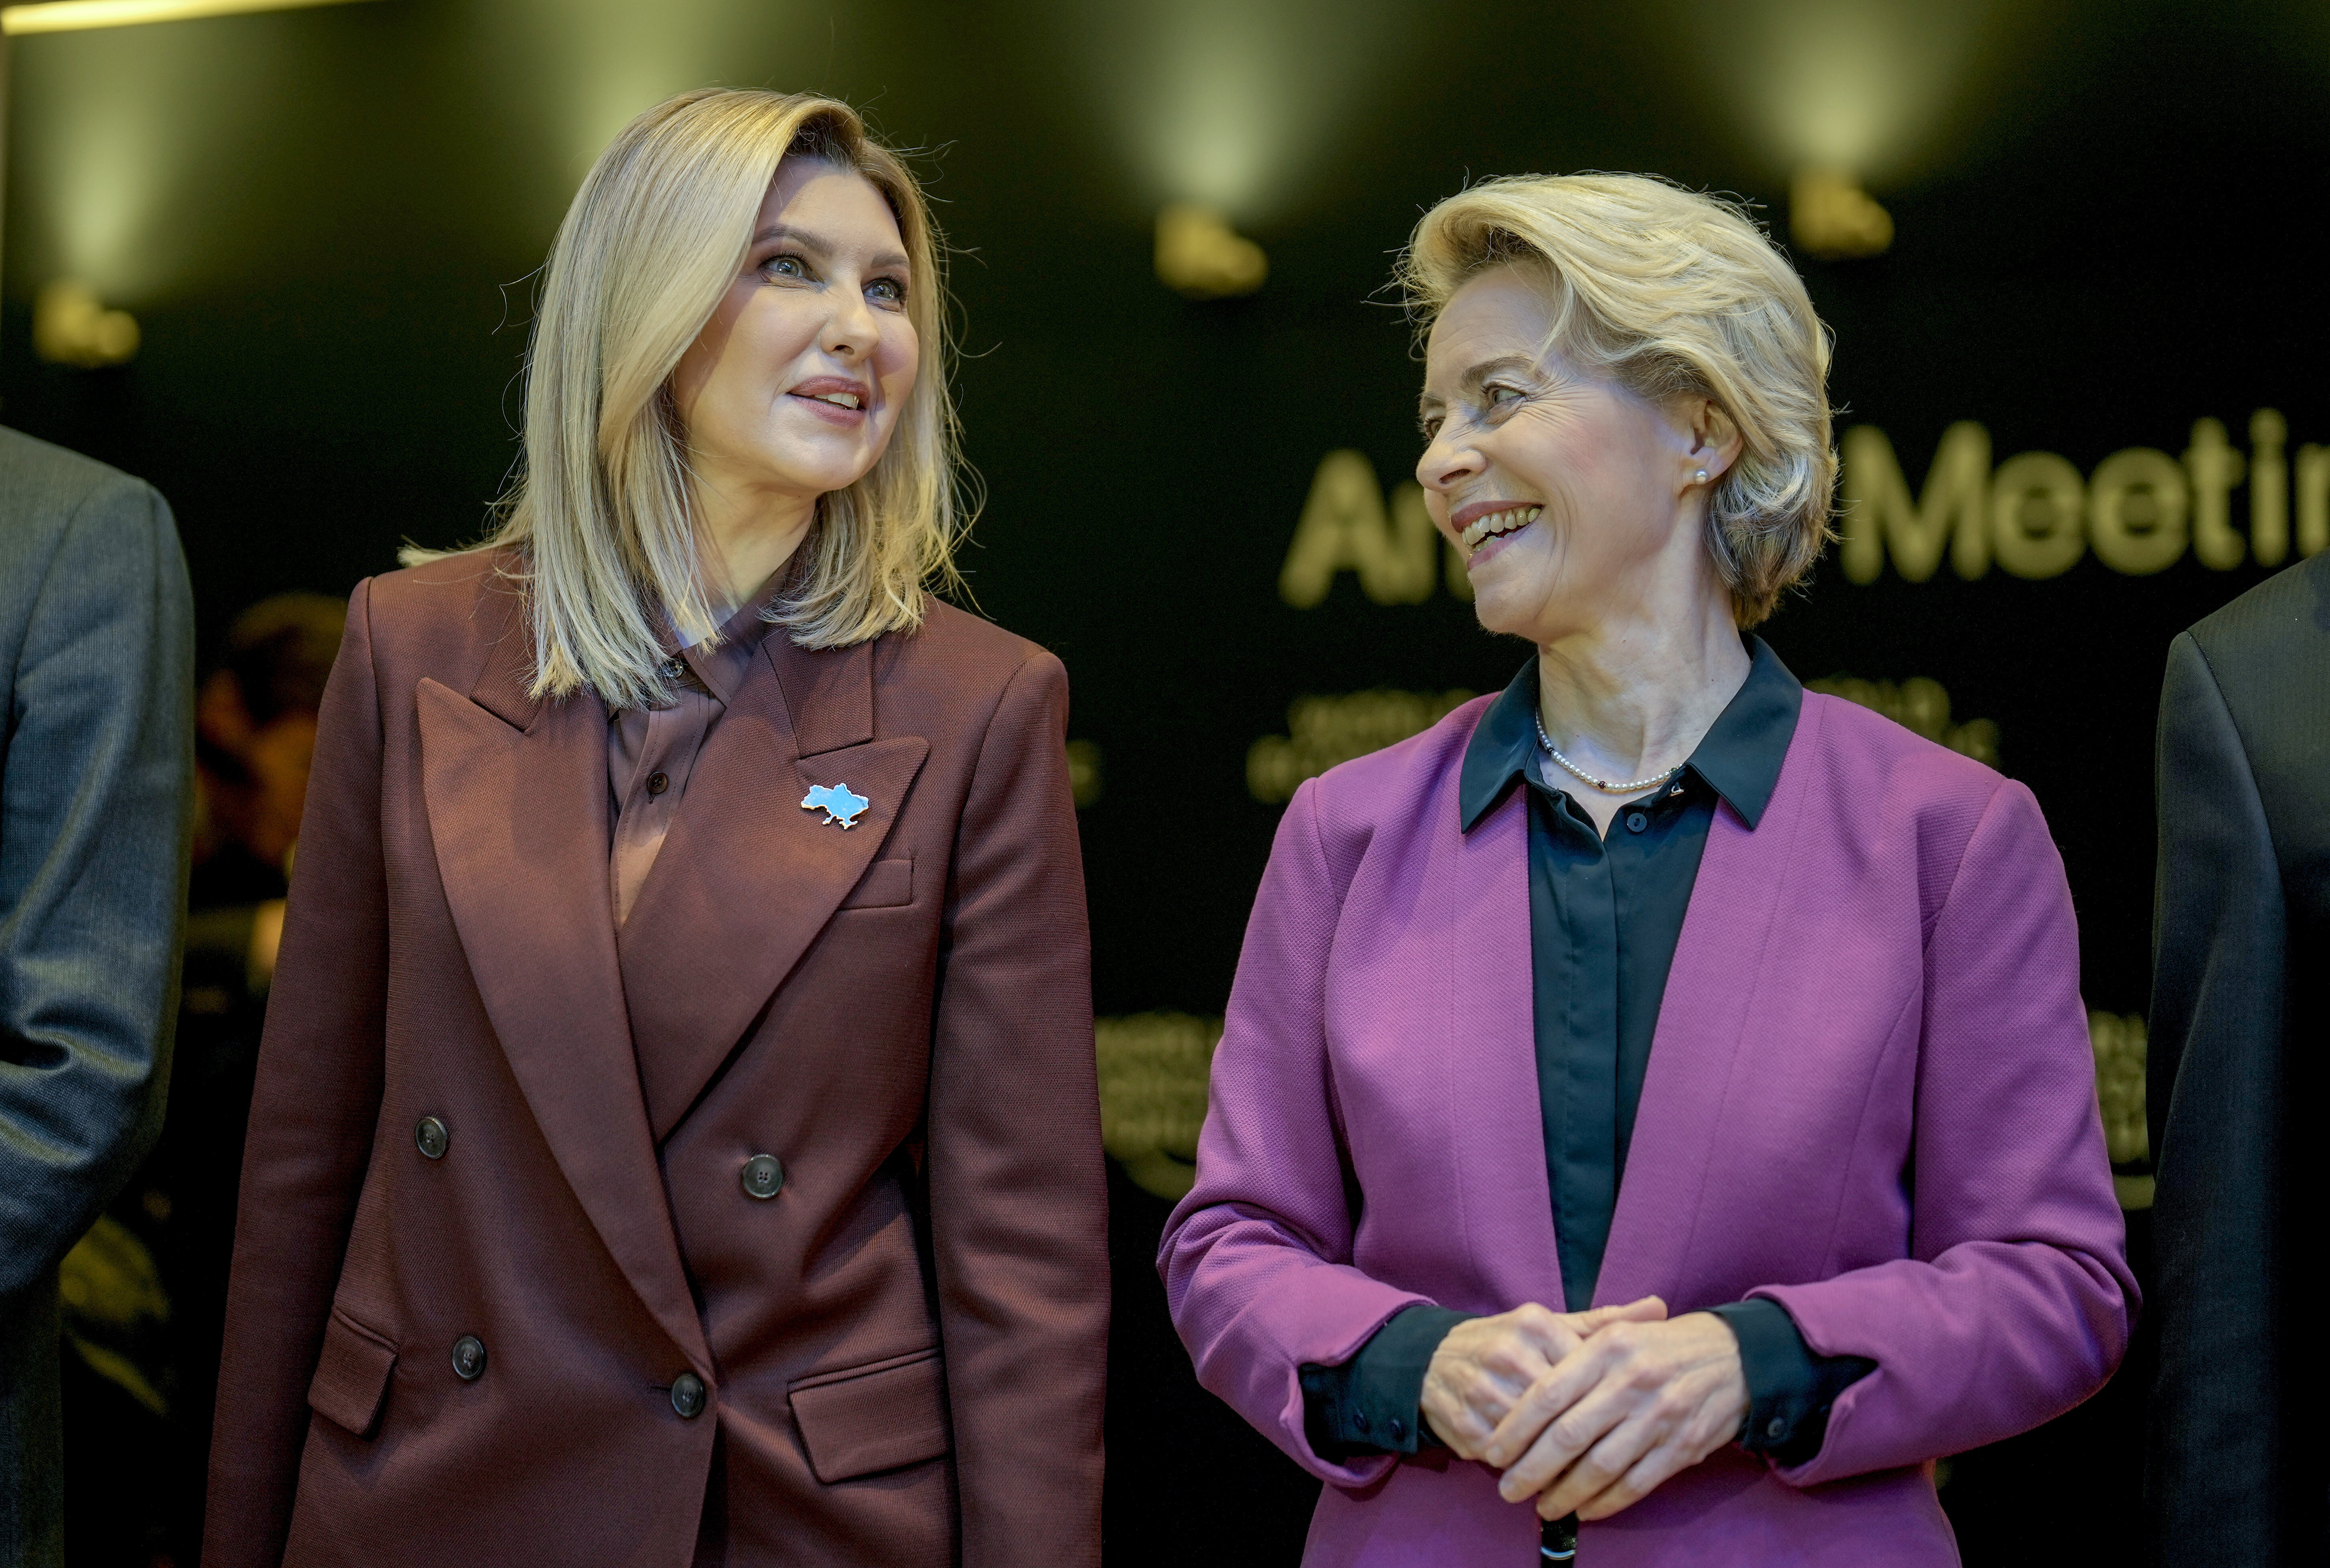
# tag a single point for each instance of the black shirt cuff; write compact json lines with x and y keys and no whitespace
{"x":1789,"y":1389}
{"x":1369,"y":1403}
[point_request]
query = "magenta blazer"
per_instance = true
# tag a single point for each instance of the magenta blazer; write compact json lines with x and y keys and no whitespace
{"x":1870,"y":1098}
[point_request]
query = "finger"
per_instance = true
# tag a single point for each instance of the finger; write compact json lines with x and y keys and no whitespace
{"x":1597,"y":1475}
{"x":1661,"y":1464}
{"x":1544,"y":1400}
{"x":1563,"y":1440}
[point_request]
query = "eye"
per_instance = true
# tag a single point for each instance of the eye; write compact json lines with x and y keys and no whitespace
{"x":1496,"y":394}
{"x":1430,"y":426}
{"x":889,"y":290}
{"x":784,"y":264}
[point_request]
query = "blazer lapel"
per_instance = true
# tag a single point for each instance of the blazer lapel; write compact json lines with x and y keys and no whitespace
{"x":748,"y":877}
{"x":516,"y":795}
{"x":1724,"y":954}
{"x":1507,"y":1199}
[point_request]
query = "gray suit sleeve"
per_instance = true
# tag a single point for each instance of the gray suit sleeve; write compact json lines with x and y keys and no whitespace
{"x":95,"y":802}
{"x":2220,"y":942}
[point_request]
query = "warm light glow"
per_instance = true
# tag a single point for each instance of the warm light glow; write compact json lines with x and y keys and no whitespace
{"x":1867,"y":87}
{"x":71,"y":326}
{"x":76,"y":16}
{"x":1200,"y":255}
{"x":1831,"y":217}
{"x":1230,"y":104}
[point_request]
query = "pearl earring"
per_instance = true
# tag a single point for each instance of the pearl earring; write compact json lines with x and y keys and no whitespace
{"x":1700,"y":476}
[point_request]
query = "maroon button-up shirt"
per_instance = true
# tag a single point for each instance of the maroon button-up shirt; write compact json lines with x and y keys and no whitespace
{"x":650,"y":751}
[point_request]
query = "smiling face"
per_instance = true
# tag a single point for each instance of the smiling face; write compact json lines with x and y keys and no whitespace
{"x":1574,"y":501}
{"x":795,"y":386}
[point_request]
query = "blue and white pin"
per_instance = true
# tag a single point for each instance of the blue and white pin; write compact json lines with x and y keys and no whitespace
{"x":839,"y":806}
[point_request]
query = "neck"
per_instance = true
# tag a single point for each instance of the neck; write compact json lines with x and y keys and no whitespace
{"x":748,"y":535}
{"x":1632,"y":697}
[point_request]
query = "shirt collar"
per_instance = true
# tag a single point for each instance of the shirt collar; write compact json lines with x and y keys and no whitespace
{"x":1738,"y":757}
{"x":721,"y":666}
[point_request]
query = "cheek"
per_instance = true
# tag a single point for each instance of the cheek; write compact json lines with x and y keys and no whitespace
{"x":898,"y":356}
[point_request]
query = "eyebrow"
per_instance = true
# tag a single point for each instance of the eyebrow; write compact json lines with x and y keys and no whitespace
{"x":820,"y":247}
{"x":1474,"y":378}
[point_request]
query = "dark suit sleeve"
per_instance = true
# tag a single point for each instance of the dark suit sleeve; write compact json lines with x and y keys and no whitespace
{"x":94,"y":813}
{"x":2215,"y":1099}
{"x":1017,"y":1194}
{"x":311,"y":1121}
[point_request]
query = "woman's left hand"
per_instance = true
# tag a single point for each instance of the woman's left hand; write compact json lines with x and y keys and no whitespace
{"x":1631,"y":1406}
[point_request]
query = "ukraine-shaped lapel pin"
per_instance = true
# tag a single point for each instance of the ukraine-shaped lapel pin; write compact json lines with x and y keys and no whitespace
{"x":837,"y":802}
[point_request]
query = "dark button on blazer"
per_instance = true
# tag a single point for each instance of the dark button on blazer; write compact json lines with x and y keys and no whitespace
{"x":903,"y":1347}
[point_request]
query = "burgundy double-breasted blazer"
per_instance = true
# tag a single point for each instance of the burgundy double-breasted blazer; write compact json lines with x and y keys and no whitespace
{"x":901,"y":1352}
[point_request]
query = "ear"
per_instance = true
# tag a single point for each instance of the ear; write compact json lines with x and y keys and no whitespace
{"x":1715,"y":437}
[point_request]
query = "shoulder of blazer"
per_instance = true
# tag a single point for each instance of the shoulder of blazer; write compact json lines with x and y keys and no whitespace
{"x":1868,"y":780}
{"x":444,"y":618}
{"x":1398,"y":790}
{"x":2268,"y":652}
{"x":955,"y":648}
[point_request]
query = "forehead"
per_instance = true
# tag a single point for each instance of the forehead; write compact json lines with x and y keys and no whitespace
{"x":1495,"y":316}
{"x":839,"y":206}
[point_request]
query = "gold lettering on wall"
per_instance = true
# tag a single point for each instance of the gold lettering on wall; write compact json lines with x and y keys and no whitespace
{"x":1346,"y":526}
{"x":1084,"y":772}
{"x":1322,"y":731}
{"x":1152,"y":1095}
{"x":2119,"y":1046}
{"x":2034,"y":516}
{"x":1920,"y":705}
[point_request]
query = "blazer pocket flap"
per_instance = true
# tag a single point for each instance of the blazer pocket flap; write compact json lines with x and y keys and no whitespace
{"x":877,"y":1417}
{"x":887,"y":883}
{"x":351,"y":1376}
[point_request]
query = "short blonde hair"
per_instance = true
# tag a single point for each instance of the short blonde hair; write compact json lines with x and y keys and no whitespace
{"x":601,"y":518}
{"x":1668,"y":292}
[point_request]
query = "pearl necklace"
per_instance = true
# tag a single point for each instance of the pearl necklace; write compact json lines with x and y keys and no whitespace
{"x":1634,"y":788}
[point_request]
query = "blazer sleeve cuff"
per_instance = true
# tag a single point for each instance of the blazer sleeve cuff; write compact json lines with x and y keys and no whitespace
{"x":1372,"y":1403}
{"x":1790,"y":1389}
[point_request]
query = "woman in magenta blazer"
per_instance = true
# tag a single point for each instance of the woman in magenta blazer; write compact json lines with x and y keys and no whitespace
{"x":1656,"y":1096}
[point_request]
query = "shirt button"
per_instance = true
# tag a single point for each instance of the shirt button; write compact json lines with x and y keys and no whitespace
{"x":1775,"y":1426}
{"x":659,"y":782}
{"x":763,"y":1176}
{"x":430,"y":1137}
{"x":469,"y":1357}
{"x":1398,"y":1430}
{"x":1636,"y":822}
{"x":687,"y":1395}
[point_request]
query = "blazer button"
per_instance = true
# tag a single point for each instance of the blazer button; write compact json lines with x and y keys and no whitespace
{"x":469,"y":1357}
{"x":1360,"y":1420}
{"x":687,"y":1395}
{"x":432,"y":1136}
{"x":763,"y":1176}
{"x":1398,"y":1430}
{"x":1775,"y":1426}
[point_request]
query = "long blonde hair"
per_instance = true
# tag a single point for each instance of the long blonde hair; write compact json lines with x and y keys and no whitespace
{"x":600,"y":522}
{"x":1668,"y":292}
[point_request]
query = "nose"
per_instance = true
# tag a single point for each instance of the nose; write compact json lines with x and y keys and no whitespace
{"x":1451,"y":460}
{"x":852,"y":331}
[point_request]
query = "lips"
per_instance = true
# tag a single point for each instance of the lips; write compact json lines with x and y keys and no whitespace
{"x":835,"y":398}
{"x":1486,"y":520}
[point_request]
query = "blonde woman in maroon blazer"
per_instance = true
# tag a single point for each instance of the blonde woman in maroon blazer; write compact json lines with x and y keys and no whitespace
{"x":675,"y":1139}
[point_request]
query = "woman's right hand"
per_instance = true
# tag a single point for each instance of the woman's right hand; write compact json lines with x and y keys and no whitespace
{"x":1485,"y":1364}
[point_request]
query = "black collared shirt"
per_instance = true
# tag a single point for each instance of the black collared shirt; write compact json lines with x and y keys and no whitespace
{"x":1605,"y":917}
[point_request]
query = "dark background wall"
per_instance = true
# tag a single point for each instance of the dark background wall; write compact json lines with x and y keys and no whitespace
{"x":325,"y":223}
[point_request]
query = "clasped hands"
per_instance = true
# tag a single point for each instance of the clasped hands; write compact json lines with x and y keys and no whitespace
{"x":1587,"y":1413}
